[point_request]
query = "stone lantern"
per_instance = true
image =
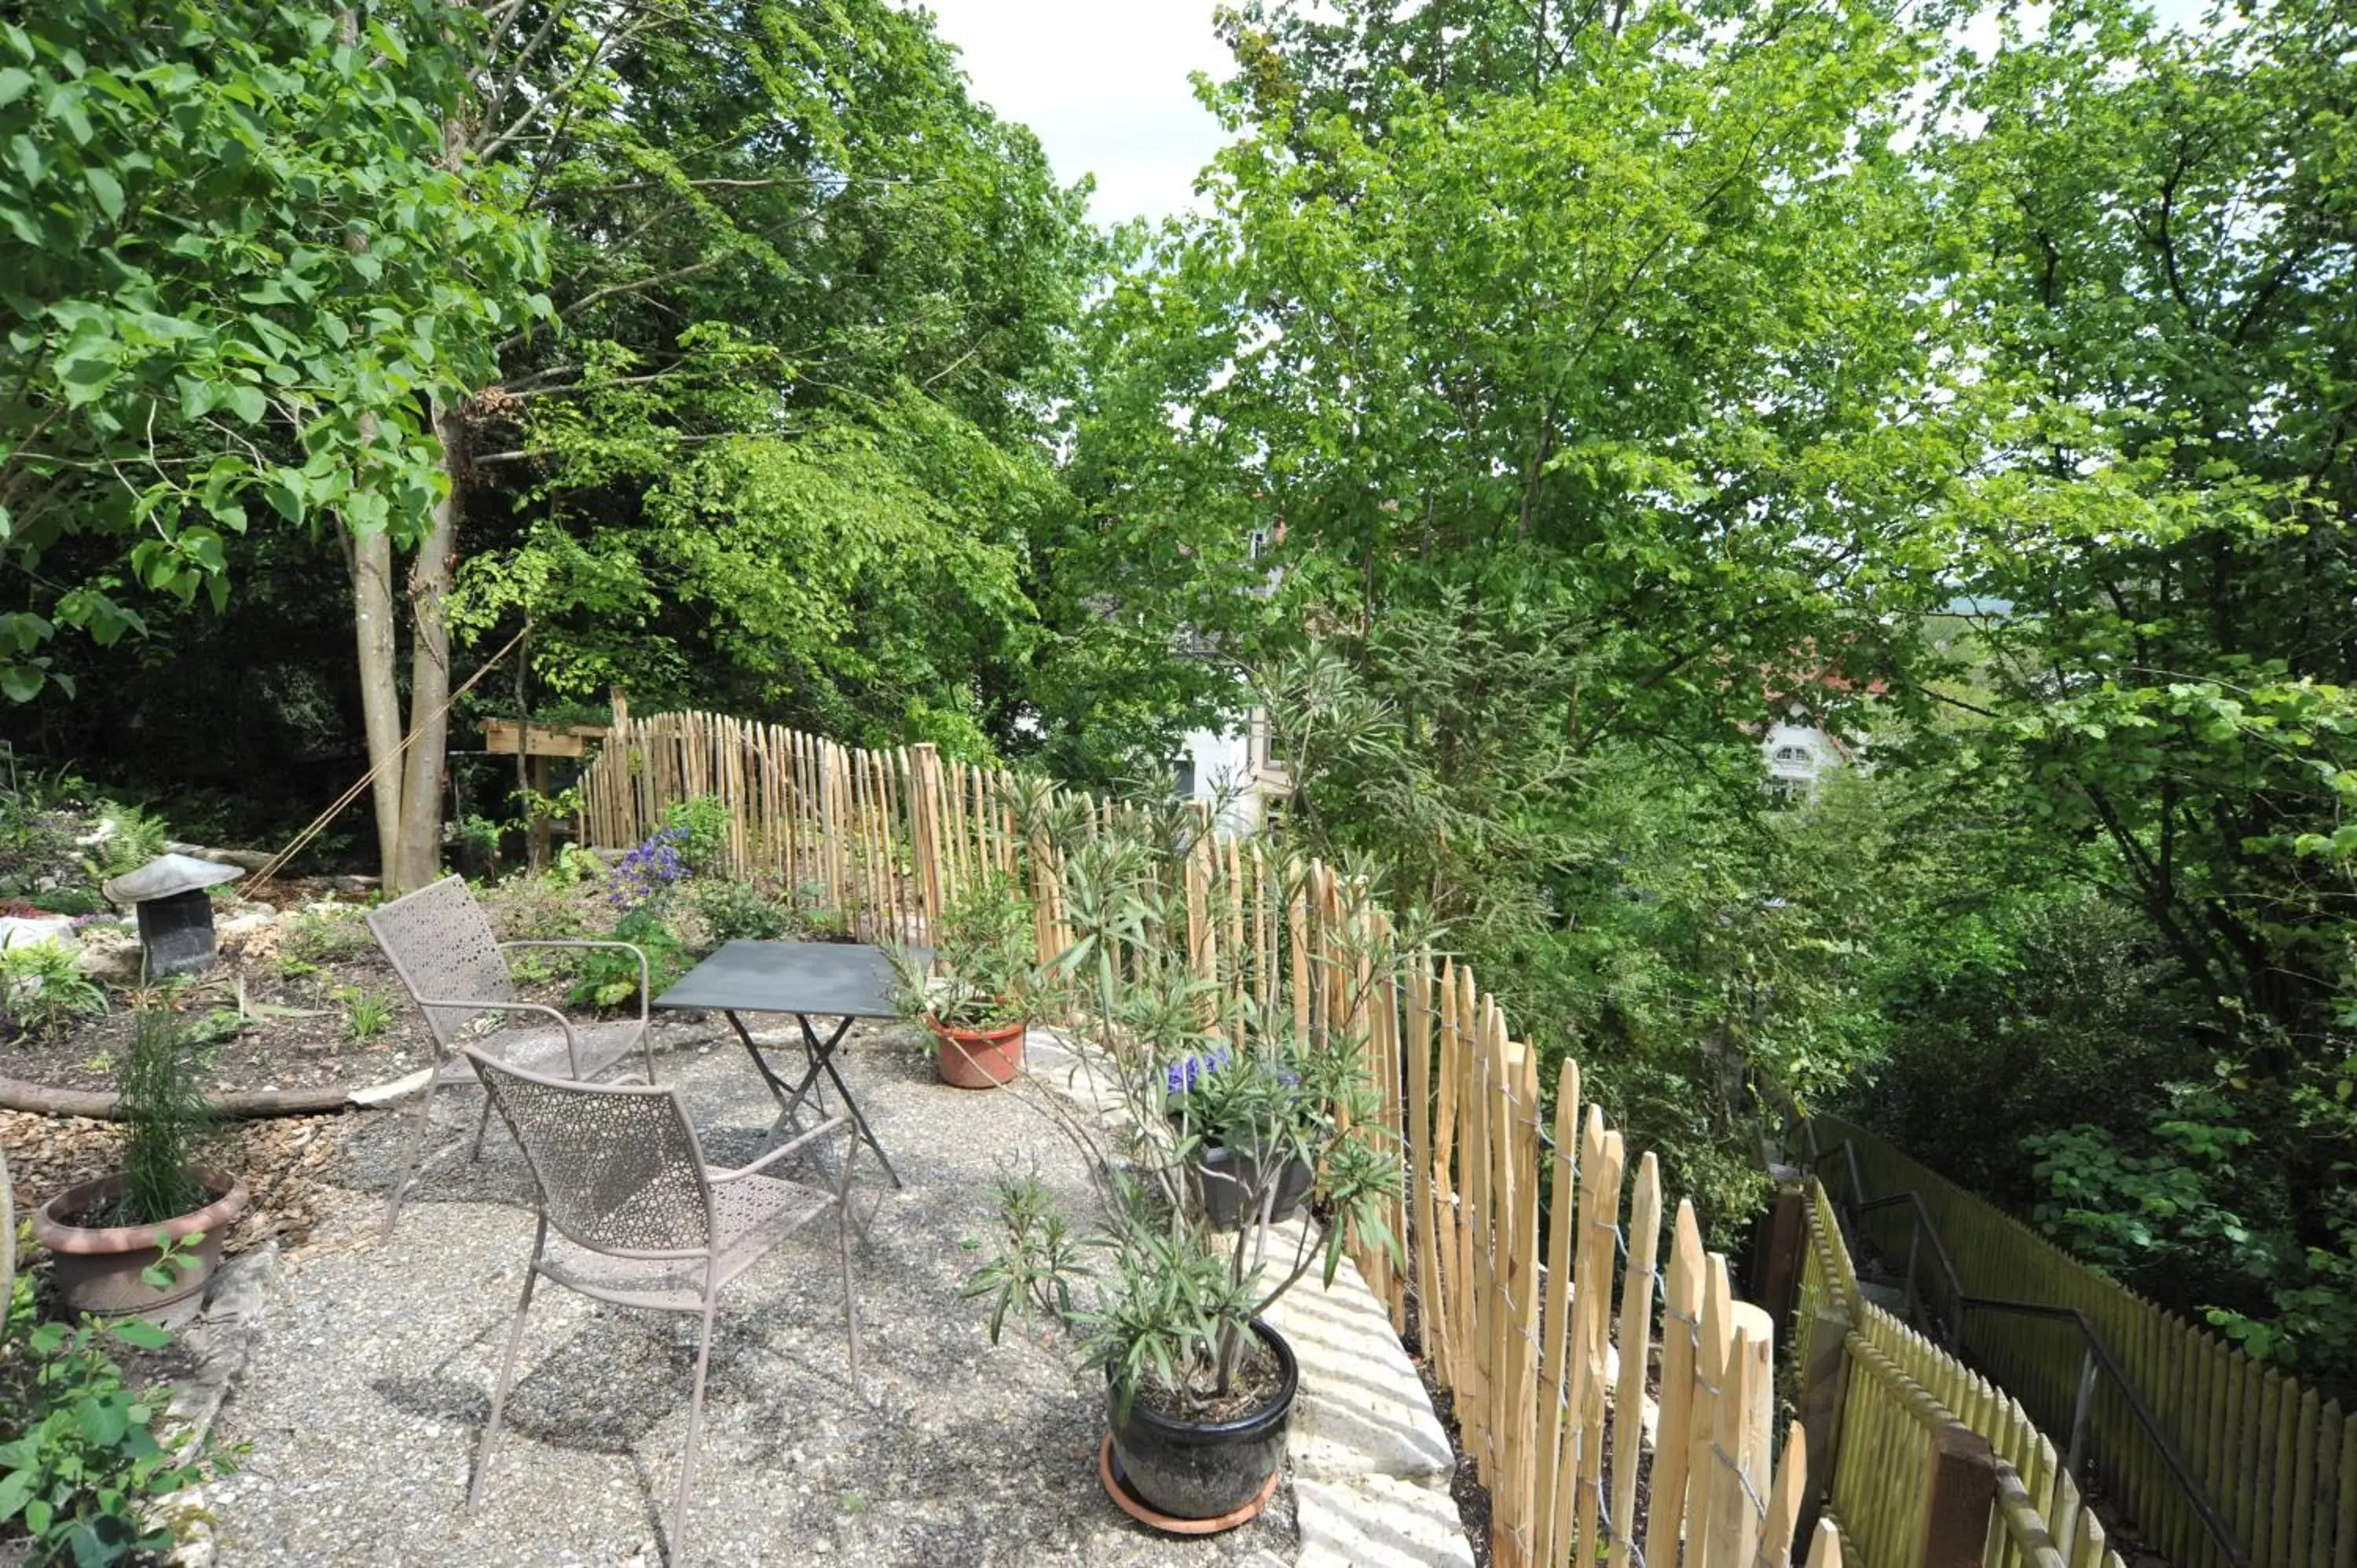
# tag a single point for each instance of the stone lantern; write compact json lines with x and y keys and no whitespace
{"x":175,"y":916}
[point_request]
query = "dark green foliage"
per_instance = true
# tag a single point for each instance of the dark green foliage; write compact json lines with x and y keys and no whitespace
{"x":738,"y":911}
{"x":2204,"y":1222}
{"x":2011,"y":1006}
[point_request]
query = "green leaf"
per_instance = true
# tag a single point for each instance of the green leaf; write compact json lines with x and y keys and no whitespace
{"x":106,"y":188}
{"x":246,"y":402}
{"x":14,"y":84}
{"x":102,"y":1421}
{"x":20,"y":683}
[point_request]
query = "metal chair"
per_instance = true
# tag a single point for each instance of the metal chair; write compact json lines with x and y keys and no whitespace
{"x":630,"y":1213}
{"x":455,"y":968}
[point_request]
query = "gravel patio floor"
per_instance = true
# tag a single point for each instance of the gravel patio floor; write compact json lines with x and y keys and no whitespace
{"x":368,"y":1389}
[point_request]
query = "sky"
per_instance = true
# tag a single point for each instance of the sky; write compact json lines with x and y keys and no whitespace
{"x":1103,"y":84}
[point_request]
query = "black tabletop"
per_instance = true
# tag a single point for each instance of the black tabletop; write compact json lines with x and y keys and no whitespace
{"x":835,"y":980}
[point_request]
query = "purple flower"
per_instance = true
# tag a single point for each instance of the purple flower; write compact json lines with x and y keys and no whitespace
{"x":1183,"y":1075}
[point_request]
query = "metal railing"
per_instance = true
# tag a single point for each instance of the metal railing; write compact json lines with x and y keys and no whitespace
{"x":1946,"y":1325}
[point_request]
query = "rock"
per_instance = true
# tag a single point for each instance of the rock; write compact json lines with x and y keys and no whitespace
{"x":238,"y":927}
{"x":110,"y":955}
{"x":1362,"y":1410}
{"x":19,"y":932}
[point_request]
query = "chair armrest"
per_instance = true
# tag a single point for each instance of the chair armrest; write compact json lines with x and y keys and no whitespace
{"x":715,"y":1174}
{"x":646,"y":976}
{"x":572,"y":1046}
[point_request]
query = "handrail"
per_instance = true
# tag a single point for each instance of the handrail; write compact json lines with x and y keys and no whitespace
{"x":2100,"y":1353}
{"x":2097,"y":1351}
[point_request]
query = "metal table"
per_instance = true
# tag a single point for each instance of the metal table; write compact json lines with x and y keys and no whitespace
{"x":829,"y":980}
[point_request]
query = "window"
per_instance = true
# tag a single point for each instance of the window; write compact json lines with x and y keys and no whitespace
{"x":1265,"y":742}
{"x":1182,"y":778}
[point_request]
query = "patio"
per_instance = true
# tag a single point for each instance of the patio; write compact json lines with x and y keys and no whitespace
{"x":370,"y":1379}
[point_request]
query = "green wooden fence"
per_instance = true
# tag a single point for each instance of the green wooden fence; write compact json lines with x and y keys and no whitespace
{"x":2279,"y":1465}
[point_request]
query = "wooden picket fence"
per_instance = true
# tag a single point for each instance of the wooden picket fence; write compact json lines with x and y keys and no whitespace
{"x":1923,"y":1460}
{"x":1531,"y":1268}
{"x":2279,"y":1465}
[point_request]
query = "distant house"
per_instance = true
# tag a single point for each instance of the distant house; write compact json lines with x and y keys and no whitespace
{"x":1237,"y":772}
{"x":1796,"y":745}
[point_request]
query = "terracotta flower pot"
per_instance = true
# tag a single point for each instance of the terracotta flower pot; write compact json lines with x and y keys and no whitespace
{"x":977,"y":1059}
{"x":97,"y":1268}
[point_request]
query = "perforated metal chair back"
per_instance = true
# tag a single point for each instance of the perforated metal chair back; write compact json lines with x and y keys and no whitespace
{"x":618,"y":1166}
{"x":442,"y":945}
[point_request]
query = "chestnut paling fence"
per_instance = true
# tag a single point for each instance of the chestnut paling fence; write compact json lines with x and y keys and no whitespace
{"x":1547,"y":1349}
{"x":2277,"y":1464}
{"x":1923,"y":1459}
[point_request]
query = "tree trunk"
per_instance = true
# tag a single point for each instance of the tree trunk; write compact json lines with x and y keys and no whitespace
{"x":419,"y":851}
{"x":370,"y":559}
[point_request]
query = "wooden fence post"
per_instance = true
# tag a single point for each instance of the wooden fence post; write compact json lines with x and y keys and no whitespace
{"x":1962,"y":1489}
{"x":925,"y":829}
{"x":1823,"y":1349}
{"x":1776,"y":1279}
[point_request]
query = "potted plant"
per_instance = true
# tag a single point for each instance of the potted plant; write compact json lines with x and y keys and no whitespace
{"x":106,"y":1235}
{"x":1243,"y":1122}
{"x":1198,"y":1387}
{"x":974,"y":994}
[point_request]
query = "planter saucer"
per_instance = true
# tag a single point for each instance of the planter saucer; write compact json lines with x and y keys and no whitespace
{"x":1116,"y":1486}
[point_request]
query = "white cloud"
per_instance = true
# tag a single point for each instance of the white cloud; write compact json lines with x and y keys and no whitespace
{"x":1103,"y":84}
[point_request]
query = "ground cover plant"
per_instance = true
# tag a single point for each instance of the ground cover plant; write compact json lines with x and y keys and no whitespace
{"x":85,"y":1478}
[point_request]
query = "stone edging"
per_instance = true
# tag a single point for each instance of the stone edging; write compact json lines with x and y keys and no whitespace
{"x":1372,"y":1464}
{"x":260,"y":1104}
{"x":222,"y":1337}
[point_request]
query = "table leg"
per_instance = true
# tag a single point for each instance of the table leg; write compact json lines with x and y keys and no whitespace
{"x":821,"y":1058}
{"x":819,"y":1055}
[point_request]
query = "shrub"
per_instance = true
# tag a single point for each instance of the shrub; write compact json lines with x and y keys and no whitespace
{"x":42,"y":992}
{"x":609,"y":979}
{"x":985,"y":953}
{"x":738,"y":911}
{"x":80,"y":1460}
{"x":702,"y":829}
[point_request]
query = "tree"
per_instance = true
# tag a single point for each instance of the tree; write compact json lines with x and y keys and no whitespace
{"x":788,"y":455}
{"x":239,"y":274}
{"x":1577,"y":409}
{"x":2155,"y":238}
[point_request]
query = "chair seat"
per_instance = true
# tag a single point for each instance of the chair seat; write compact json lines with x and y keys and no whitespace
{"x":754,"y":1214}
{"x":539,"y":1048}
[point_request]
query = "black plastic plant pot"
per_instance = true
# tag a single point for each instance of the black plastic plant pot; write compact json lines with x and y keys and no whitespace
{"x":1205,"y":1469}
{"x":1228,"y":1179}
